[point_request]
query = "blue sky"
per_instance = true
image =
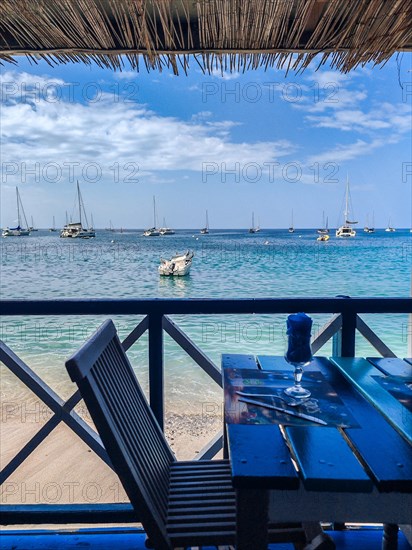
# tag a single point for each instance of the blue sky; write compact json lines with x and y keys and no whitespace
{"x":232,"y":144}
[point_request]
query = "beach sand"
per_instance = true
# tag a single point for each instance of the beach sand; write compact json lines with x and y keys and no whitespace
{"x":64,"y":470}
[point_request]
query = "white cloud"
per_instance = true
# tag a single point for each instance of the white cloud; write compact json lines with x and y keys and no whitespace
{"x":395,"y":118}
{"x":342,"y":153}
{"x":107,"y":132}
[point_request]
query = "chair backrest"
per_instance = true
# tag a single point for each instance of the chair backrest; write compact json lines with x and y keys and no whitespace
{"x":129,"y":431}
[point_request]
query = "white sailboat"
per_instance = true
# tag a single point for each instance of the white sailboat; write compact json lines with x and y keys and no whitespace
{"x":19,"y":230}
{"x":325,"y":229}
{"x":254,"y":229}
{"x":53,"y":227}
{"x":153,"y":231}
{"x":390,"y":229}
{"x":166,"y":230}
{"x":75,"y":230}
{"x":205,"y":229}
{"x":32,"y":228}
{"x":368,"y":228}
{"x":291,"y":228}
{"x":345,"y":231}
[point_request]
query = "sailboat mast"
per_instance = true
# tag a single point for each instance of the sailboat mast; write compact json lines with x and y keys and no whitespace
{"x":347,"y":200}
{"x":207,"y":220}
{"x":79,"y":200}
{"x":18,"y":208}
{"x":154,"y":211}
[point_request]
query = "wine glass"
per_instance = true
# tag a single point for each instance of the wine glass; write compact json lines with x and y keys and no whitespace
{"x":299,"y":352}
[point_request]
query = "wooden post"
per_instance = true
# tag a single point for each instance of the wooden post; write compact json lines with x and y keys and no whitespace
{"x":390,"y":536}
{"x":410,"y":331}
{"x":156,"y":378}
{"x":343,"y":344}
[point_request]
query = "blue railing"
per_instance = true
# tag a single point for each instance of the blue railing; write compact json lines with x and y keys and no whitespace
{"x":341,"y":328}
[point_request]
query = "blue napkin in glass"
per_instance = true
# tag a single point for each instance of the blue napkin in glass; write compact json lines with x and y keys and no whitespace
{"x":299,"y":327}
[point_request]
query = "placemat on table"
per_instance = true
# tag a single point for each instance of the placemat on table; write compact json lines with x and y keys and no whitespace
{"x":324,"y":403}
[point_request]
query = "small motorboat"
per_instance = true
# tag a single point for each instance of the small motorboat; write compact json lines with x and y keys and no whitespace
{"x":178,"y":265}
{"x":324,"y":238}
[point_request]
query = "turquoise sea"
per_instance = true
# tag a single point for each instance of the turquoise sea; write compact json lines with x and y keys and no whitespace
{"x":227,"y":263}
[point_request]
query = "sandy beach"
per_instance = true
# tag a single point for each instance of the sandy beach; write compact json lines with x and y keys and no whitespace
{"x":63,"y":470}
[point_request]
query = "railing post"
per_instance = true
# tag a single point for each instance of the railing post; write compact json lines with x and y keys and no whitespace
{"x":343,"y":344}
{"x":156,"y":378}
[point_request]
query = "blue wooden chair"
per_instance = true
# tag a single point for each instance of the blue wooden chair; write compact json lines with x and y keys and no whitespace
{"x":180,"y":504}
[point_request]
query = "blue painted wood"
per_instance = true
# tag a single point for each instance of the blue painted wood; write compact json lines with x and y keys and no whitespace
{"x":326,"y":462}
{"x":393,"y":366}
{"x":348,"y":332}
{"x":166,"y":306}
{"x":378,"y":445}
{"x":272,"y":363}
{"x":156,"y":379}
{"x":134,"y":539}
{"x":360,"y":373}
{"x":408,"y":360}
{"x":238,"y":361}
{"x":260,"y":458}
{"x":26,"y":514}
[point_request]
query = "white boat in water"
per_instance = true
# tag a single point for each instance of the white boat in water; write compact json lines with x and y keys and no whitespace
{"x":152,"y":231}
{"x":324,"y":229}
{"x":390,"y":229}
{"x":75,"y":230}
{"x":53,"y":227}
{"x":254,"y":229}
{"x":32,"y":228}
{"x":178,"y":265}
{"x":345,"y":231}
{"x":291,"y":227}
{"x":370,"y":228}
{"x":205,"y":229}
{"x":19,"y":230}
{"x":166,"y":230}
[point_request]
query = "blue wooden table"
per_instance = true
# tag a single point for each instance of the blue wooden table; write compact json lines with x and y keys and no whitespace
{"x":310,"y":472}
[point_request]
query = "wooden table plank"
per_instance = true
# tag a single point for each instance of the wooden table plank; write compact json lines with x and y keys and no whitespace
{"x":238,"y":361}
{"x":359,"y":372}
{"x":260,"y":458}
{"x":271,"y":363}
{"x":393,"y":366}
{"x":378,"y":444}
{"x":326,"y":462}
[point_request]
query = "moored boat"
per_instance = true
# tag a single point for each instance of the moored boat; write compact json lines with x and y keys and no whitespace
{"x":152,"y":231}
{"x":291,"y":228}
{"x":390,"y":229}
{"x":19,"y":230}
{"x":346,"y":231}
{"x":166,"y":230}
{"x":325,"y":229}
{"x":75,"y":230}
{"x":178,"y":265}
{"x":254,"y":229}
{"x":205,"y":229}
{"x":32,"y":227}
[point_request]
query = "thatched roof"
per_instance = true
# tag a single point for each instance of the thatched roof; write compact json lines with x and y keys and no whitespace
{"x":229,"y":34}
